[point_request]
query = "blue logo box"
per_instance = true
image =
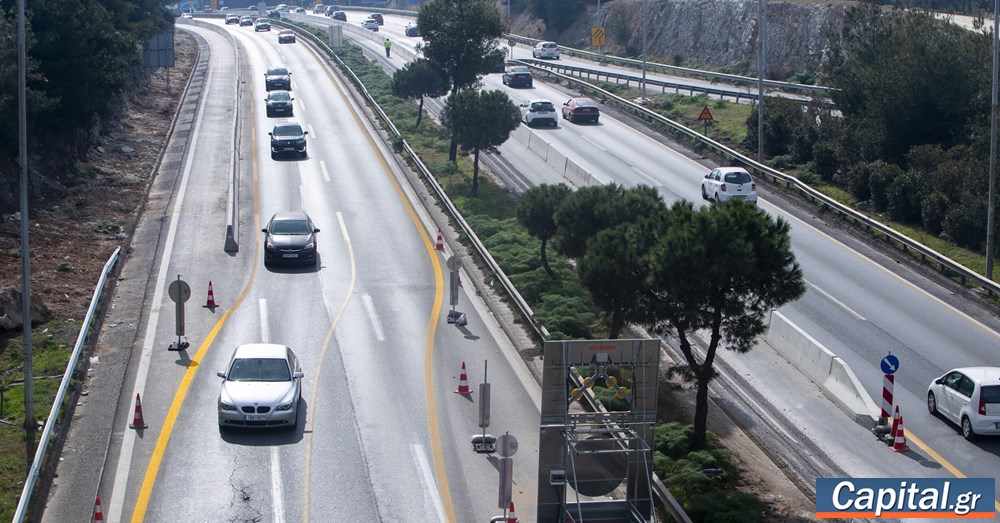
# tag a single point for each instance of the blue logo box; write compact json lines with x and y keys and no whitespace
{"x":954,"y":498}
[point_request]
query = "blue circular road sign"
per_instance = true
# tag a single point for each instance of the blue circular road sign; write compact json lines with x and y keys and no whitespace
{"x":889,"y":364}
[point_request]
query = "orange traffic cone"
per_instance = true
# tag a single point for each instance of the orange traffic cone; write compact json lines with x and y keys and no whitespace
{"x":137,"y":422}
{"x":899,"y":442}
{"x":463,"y":383}
{"x":211,"y":298}
{"x":98,"y":515}
{"x":440,"y":242}
{"x":895,"y":425}
{"x":511,"y":518}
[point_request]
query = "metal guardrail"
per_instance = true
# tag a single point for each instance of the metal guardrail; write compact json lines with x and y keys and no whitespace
{"x":50,"y":423}
{"x":944,"y":264}
{"x":676,"y":70}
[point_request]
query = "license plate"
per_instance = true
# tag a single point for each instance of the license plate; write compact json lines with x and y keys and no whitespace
{"x":288,"y":148}
{"x":254,"y":417}
{"x":292,"y":255}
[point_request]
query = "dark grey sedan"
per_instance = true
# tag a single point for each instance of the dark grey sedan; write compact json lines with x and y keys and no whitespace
{"x":290,"y":237}
{"x":279,"y":103}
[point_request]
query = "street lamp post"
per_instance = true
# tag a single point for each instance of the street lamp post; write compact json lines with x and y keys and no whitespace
{"x":761,"y":60}
{"x":993,"y":145}
{"x":22,"y":120}
{"x":645,"y":17}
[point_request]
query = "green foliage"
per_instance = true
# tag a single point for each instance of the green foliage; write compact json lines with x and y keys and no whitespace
{"x":535,"y":212}
{"x":609,"y":398}
{"x":965,"y":224}
{"x":416,"y":80}
{"x":64,"y":267}
{"x":906,"y":195}
{"x":933,"y":210}
{"x":589,"y":210}
{"x":683,"y":470}
{"x":726,"y":506}
{"x":825,"y":158}
{"x":880,"y":177}
{"x":566,"y":317}
{"x":460,"y":38}
{"x":784,"y":123}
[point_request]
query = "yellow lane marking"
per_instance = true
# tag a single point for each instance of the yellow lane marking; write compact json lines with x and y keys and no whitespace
{"x":149,"y":480}
{"x":943,"y":462}
{"x":434,"y":434}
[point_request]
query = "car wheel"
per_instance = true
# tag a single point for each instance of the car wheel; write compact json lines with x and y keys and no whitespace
{"x":967,"y":431}
{"x":704,"y":195}
{"x":716,"y":198}
{"x":571,"y":120}
{"x":931,"y":404}
{"x":529,"y":85}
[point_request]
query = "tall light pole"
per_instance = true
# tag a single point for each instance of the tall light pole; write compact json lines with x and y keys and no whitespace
{"x":645,"y":16}
{"x":22,"y":122}
{"x":761,"y":59}
{"x":993,"y":145}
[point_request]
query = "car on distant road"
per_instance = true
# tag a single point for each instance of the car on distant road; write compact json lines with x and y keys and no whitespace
{"x":378,"y":18}
{"x":726,"y":183}
{"x":288,"y":139}
{"x":246,"y":21}
{"x":274,"y":14}
{"x":300,"y":10}
{"x":370,"y":24}
{"x":968,"y":397}
{"x":545,"y":50}
{"x":411,"y":29}
{"x":517,"y":75}
{"x":319,"y":8}
{"x":290,"y":237}
{"x":278,"y":103}
{"x":188,"y":16}
{"x":337,"y":15}
{"x":232,"y":19}
{"x":286,"y":36}
{"x":262,"y":24}
{"x":539,"y":112}
{"x":261,"y":388}
{"x":277,"y":79}
{"x":581,"y":110}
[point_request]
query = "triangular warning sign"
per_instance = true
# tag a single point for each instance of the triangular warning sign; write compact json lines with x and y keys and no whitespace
{"x":705,"y":114}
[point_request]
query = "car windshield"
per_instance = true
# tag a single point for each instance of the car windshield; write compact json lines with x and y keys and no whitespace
{"x":990,"y":394}
{"x":542,"y":106}
{"x":737,"y":177}
{"x":259,"y":369}
{"x":262,"y":20}
{"x":277,"y":72}
{"x":281,"y":96}
{"x":291,"y":227}
{"x":287,"y":129}
{"x":286,"y":32}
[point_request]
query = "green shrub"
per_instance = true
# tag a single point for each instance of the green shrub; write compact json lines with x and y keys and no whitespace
{"x":824,"y":153}
{"x":729,"y":506}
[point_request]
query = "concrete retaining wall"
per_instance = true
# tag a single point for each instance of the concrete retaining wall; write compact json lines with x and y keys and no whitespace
{"x":823,"y":367}
{"x":568,"y":169}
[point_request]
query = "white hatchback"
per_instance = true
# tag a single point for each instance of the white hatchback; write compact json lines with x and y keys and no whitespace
{"x":545,"y":50}
{"x":726,"y":183}
{"x":969,"y":397}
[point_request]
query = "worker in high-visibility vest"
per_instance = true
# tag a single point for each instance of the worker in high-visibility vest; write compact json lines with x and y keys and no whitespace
{"x":388,"y":46}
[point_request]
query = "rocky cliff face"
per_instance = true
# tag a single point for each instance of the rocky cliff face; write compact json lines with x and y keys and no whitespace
{"x":716,"y":34}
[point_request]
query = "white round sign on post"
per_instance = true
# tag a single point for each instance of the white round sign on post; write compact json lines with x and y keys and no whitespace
{"x":511,"y":42}
{"x":506,"y":446}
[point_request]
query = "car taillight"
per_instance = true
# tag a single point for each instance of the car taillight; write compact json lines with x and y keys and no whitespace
{"x":982,"y":405}
{"x":753,"y":186}
{"x":723,"y":187}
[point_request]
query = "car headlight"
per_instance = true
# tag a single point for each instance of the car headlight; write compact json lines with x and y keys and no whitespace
{"x":226,"y":406}
{"x":285,"y":406}
{"x":269,"y":244}
{"x":310,"y":246}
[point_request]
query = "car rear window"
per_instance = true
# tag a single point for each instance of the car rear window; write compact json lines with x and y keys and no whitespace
{"x":259,"y":369}
{"x":737,"y":177}
{"x":519,"y":69}
{"x":542,"y":106}
{"x":991,"y":394}
{"x":585,"y":102}
{"x":549,"y":45}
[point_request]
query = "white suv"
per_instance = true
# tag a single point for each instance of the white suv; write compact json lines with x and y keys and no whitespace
{"x":970,"y":397}
{"x":726,"y":183}
{"x":546,"y":50}
{"x":539,"y":111}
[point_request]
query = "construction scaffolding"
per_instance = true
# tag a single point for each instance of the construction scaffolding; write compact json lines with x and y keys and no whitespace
{"x":597,"y":466}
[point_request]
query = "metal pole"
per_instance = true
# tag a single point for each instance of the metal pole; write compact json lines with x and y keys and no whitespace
{"x":645,"y":16}
{"x":993,"y":145}
{"x":761,"y":59}
{"x":22,"y":111}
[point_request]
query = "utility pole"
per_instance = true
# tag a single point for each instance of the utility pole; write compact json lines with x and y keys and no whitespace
{"x":22,"y":121}
{"x":761,"y":60}
{"x":990,"y":240}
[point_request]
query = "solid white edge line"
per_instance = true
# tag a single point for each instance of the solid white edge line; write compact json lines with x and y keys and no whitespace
{"x":115,"y":504}
{"x":277,"y":499}
{"x":835,"y":300}
{"x":373,"y":316}
{"x":343,"y":227}
{"x":430,"y":486}
{"x":265,"y":331}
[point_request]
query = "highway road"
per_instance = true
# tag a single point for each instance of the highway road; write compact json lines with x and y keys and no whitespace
{"x":383,"y":435}
{"x":861,"y":301}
